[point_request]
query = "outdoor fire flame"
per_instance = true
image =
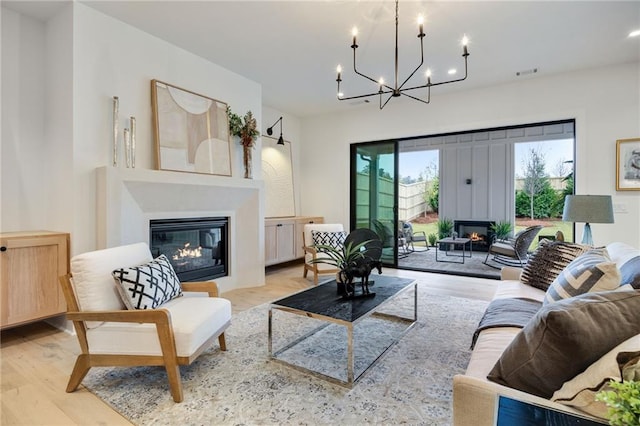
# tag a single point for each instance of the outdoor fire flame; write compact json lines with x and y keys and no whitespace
{"x":187,"y":252}
{"x":475,"y":237}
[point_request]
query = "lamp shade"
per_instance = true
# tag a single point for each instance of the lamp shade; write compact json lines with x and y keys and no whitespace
{"x":588,"y":209}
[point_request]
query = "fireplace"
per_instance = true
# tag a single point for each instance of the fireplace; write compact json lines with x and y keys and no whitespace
{"x":196,"y":247}
{"x":479,"y":231}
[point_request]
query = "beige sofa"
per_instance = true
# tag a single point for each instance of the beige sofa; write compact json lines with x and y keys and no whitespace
{"x":475,"y":398}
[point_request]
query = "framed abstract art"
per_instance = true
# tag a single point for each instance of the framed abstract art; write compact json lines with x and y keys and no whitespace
{"x":628,"y":164}
{"x":191,"y":131}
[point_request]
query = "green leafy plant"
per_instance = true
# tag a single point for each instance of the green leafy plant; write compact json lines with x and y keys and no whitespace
{"x":445,"y":227}
{"x":502,"y":229}
{"x":245,"y":128}
{"x":432,"y":239}
{"x":623,"y":402}
{"x":342,"y":257}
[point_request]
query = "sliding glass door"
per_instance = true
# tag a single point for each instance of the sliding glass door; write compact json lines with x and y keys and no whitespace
{"x":373,"y":193}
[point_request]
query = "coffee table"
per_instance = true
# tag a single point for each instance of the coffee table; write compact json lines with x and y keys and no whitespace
{"x":454,"y":241}
{"x":323,"y":303}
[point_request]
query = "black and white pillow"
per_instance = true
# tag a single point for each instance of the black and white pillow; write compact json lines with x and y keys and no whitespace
{"x":590,"y":272}
{"x":148,"y":286}
{"x":333,"y":239}
{"x":548,"y":261}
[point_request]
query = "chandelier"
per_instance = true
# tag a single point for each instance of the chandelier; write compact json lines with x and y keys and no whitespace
{"x":399,"y":89}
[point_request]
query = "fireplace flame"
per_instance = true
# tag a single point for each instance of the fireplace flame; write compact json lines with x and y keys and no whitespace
{"x":187,"y":252}
{"x":475,"y":236}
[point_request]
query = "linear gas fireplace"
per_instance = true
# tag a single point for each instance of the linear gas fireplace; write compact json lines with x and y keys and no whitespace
{"x":197,"y":247}
{"x":479,"y":231}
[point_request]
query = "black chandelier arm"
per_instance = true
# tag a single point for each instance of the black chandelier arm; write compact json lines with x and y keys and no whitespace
{"x":421,"y":37}
{"x":414,"y":98}
{"x":363,"y":75}
{"x":443,"y":82}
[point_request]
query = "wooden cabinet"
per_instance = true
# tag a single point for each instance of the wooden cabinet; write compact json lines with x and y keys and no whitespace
{"x":283,"y":238}
{"x":30,"y":264}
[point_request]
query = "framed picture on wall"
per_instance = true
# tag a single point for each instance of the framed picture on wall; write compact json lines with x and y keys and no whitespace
{"x":628,"y":164}
{"x":191,"y":131}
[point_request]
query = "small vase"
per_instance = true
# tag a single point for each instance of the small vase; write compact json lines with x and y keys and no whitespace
{"x":247,"y":162}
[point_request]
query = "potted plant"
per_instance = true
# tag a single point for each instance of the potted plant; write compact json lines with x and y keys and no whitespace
{"x":502,"y":229}
{"x":623,"y":401}
{"x":346,"y":258}
{"x":445,"y":227}
{"x":247,"y":130}
{"x":432,"y":239}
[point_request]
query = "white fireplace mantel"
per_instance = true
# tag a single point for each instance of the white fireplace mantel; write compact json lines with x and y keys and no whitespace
{"x":129,"y":198}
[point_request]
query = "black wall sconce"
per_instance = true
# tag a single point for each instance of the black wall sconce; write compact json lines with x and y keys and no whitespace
{"x":270,"y":131}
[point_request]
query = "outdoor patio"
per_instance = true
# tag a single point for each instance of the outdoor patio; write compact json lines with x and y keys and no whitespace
{"x":425,"y":260}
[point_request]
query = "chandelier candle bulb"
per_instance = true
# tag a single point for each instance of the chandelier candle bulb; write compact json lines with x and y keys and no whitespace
{"x":339,"y":70}
{"x":465,"y":41}
{"x":354,"y":32}
{"x":421,"y":25}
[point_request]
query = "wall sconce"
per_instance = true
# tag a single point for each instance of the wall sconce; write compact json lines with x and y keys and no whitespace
{"x":270,"y":131}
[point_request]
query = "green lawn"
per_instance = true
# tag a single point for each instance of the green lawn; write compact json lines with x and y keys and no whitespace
{"x":550,"y":229}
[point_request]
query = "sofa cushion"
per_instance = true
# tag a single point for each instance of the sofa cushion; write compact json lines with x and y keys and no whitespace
{"x":580,"y":391}
{"x":149,"y":285}
{"x":589,"y":272}
{"x":564,"y":338}
{"x":549,"y":259}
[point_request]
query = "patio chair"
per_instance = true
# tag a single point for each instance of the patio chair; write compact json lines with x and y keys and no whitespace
{"x":173,"y":333}
{"x":414,"y":236}
{"x":514,"y":251}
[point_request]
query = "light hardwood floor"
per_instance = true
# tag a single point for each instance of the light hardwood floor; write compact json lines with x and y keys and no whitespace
{"x":37,"y":359}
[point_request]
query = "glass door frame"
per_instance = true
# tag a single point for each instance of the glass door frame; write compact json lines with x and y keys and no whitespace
{"x":355,"y":153}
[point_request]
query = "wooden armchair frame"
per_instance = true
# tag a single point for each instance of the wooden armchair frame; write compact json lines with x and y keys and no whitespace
{"x":160,"y":317}
{"x":313,"y":267}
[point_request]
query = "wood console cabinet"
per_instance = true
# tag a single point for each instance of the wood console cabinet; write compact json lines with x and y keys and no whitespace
{"x":30,"y":264}
{"x":283,"y":238}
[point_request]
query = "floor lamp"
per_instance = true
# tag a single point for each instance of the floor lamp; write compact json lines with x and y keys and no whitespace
{"x":588,"y":209}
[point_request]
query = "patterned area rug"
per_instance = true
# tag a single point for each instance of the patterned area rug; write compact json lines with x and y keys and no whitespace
{"x":412,"y":383}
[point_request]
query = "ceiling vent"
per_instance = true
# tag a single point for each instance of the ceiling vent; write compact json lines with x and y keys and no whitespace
{"x":526,"y":72}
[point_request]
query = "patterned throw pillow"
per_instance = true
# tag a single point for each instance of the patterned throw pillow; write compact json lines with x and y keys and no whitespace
{"x":148,"y":286}
{"x":332,"y":239}
{"x":549,"y":259}
{"x":590,"y":272}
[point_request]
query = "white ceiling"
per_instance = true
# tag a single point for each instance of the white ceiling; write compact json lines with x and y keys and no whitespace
{"x":292,"y":47}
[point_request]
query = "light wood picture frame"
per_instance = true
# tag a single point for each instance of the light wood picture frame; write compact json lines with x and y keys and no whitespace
{"x":191,"y":131}
{"x":628,"y":164}
{"x":277,"y":172}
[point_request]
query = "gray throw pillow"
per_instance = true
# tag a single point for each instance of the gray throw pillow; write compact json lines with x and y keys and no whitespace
{"x":566,"y":337}
{"x":549,"y":259}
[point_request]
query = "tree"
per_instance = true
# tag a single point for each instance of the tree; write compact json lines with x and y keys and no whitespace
{"x":535,"y":177}
{"x":431,"y":186}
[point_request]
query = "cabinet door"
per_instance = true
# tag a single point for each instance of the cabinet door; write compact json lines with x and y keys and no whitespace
{"x":270,"y":244}
{"x":30,"y":270}
{"x":286,"y":241}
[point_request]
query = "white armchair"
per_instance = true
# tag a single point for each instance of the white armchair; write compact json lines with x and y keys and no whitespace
{"x":172,"y":334}
{"x":310,"y":253}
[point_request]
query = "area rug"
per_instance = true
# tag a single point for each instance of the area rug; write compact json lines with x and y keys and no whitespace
{"x":411,"y":384}
{"x":425,"y":260}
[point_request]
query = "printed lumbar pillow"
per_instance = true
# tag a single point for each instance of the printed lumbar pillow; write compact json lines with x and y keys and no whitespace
{"x":591,"y":272}
{"x":148,"y":286}
{"x":331,"y":239}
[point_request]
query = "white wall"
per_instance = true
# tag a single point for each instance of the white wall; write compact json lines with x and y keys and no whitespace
{"x":291,"y":133}
{"x":605,"y":103}
{"x":24,"y":181}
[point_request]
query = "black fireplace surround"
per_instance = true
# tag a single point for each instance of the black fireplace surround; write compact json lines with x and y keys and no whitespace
{"x":478,"y":230}
{"x":196,"y":247}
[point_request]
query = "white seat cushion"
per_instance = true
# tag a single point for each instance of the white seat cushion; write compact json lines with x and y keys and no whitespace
{"x":193,"y":319}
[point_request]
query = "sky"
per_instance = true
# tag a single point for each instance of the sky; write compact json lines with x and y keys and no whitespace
{"x":414,"y":163}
